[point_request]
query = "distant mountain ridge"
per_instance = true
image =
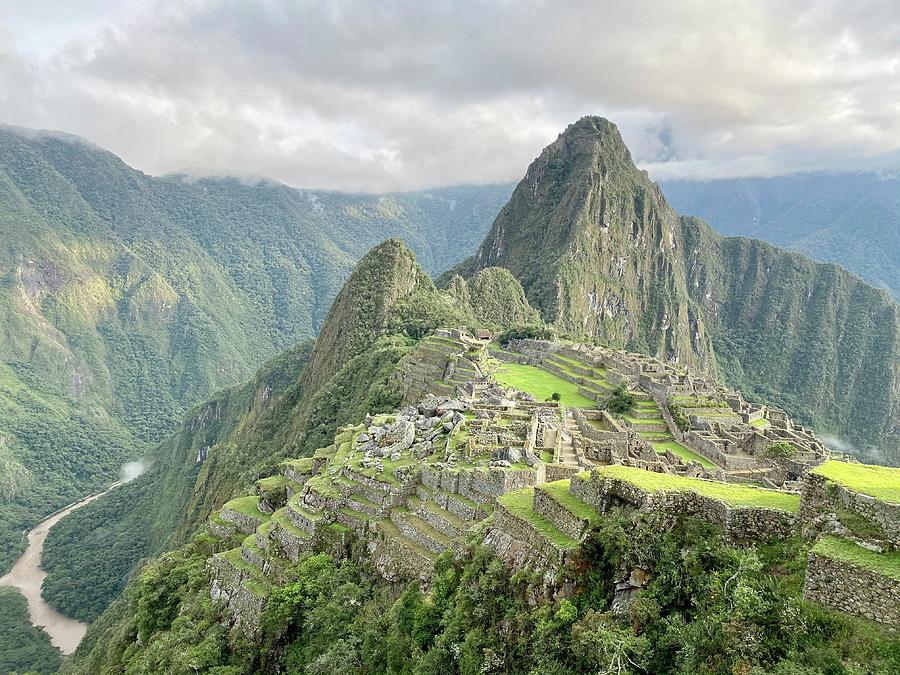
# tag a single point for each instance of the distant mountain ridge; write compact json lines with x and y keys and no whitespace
{"x":125,"y":298}
{"x":852,"y":219}
{"x":601,"y":254}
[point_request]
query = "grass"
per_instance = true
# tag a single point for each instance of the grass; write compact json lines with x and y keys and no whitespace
{"x":887,"y":564}
{"x":281,"y":518}
{"x":732,"y":494}
{"x":249,"y":506}
{"x":559,"y":490}
{"x":521,"y":504}
{"x":542,"y":384}
{"x":271,"y":483}
{"x":643,"y":420}
{"x":685,"y":453}
{"x":302,"y":465}
{"x":761,"y":423}
{"x":595,"y":381}
{"x":599,"y":425}
{"x":546,"y":456}
{"x":390,"y":530}
{"x":880,"y":482}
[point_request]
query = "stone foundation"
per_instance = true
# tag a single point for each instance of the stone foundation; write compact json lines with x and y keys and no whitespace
{"x":852,"y":589}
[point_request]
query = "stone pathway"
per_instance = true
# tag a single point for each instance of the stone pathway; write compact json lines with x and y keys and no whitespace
{"x":567,"y":454}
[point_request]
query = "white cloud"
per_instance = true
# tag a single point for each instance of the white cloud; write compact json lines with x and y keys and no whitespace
{"x":397,"y":94}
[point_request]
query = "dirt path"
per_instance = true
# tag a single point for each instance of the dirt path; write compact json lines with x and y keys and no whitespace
{"x":27,"y":576}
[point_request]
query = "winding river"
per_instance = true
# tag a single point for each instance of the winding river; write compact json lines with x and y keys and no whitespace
{"x":27,"y":576}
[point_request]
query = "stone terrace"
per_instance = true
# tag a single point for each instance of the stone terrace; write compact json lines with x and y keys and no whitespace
{"x":530,"y":477}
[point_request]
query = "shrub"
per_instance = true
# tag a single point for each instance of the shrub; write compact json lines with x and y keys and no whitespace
{"x":525,"y":332}
{"x":780,"y":450}
{"x":621,"y":401}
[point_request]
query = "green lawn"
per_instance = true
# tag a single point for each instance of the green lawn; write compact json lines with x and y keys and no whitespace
{"x":678,"y":449}
{"x":248,"y":506}
{"x":541,"y":384}
{"x":881,"y":482}
{"x":761,"y":423}
{"x":521,"y":504}
{"x":887,"y":564}
{"x":732,"y":494}
{"x":559,"y":490}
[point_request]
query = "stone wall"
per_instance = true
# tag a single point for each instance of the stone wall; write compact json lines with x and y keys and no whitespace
{"x":227,"y":586}
{"x":852,"y":589}
{"x":564,"y":519}
{"x":243,"y":522}
{"x":518,"y":544}
{"x":740,"y":524}
{"x":821,"y":496}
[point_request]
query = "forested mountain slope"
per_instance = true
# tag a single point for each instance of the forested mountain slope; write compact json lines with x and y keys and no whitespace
{"x":600,"y":253}
{"x":125,"y":299}
{"x":290,"y":408}
{"x":852,"y":219}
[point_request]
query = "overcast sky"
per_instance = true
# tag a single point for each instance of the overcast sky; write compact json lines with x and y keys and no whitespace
{"x":383,"y":95}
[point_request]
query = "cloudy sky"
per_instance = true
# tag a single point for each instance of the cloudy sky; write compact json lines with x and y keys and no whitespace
{"x":385,"y":95}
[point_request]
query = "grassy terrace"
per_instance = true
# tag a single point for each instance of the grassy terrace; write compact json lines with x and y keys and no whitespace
{"x":761,"y":423}
{"x":301,"y":465}
{"x":880,"y":482}
{"x":541,"y":384}
{"x":249,"y":506}
{"x":732,"y":494}
{"x":679,"y":450}
{"x":521,"y":504}
{"x":390,"y":530}
{"x":256,"y":584}
{"x":559,"y":490}
{"x":281,"y":518}
{"x":599,"y":371}
{"x":887,"y":564}
{"x":643,"y":420}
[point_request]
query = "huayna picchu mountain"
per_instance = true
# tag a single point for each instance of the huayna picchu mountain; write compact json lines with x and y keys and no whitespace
{"x":522,"y":505}
{"x":602,"y":255}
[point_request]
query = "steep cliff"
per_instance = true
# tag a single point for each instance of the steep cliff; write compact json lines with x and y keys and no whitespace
{"x":810,"y":336}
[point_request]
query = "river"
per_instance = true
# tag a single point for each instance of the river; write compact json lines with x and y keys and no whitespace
{"x":27,"y":576}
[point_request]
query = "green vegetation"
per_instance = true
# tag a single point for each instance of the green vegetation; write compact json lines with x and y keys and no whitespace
{"x":779,"y":450}
{"x":621,"y":401}
{"x":127,"y":299}
{"x":702,"y":600}
{"x":526,"y":332}
{"x":732,"y":494}
{"x":520,"y":503}
{"x":23,"y":647}
{"x":887,"y":563}
{"x":827,"y":355}
{"x":876,"y":481}
{"x":681,"y":451}
{"x":541,"y":384}
{"x":559,"y":490}
{"x":249,"y":506}
{"x":761,"y":423}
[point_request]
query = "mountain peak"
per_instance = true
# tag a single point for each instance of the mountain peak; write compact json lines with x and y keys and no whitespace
{"x":384,"y":277}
